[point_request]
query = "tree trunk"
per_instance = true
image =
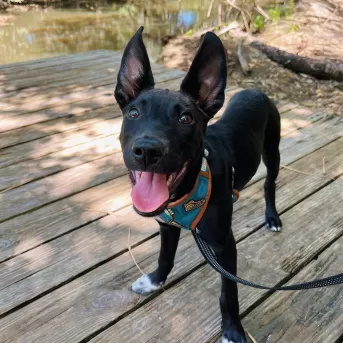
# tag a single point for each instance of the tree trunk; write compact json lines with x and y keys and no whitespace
{"x":325,"y":70}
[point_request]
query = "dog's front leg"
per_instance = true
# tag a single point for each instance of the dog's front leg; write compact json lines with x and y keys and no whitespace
{"x":233,"y":331}
{"x":151,"y":282}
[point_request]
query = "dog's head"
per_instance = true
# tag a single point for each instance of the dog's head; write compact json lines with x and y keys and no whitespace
{"x":163,"y":131}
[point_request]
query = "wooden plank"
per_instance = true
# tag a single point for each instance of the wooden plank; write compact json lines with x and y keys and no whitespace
{"x":46,"y":282}
{"x":66,"y":86}
{"x":90,"y":297}
{"x":263,"y":257}
{"x":77,"y":120}
{"x":60,"y":185}
{"x":90,"y":76}
{"x":12,"y":107}
{"x":52,"y":61}
{"x":14,"y":173}
{"x":48,"y":125}
{"x":57,"y":142}
{"x":72,"y":64}
{"x":293,"y":186}
{"x":84,"y":248}
{"x":27,"y":171}
{"x":302,"y":142}
{"x":32,"y":229}
{"x":303,"y":317}
{"x":243,"y":224}
{"x":47,"y":145}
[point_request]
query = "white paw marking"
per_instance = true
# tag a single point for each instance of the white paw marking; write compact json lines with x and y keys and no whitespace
{"x":224,"y":340}
{"x":143,"y":285}
{"x":276,"y":228}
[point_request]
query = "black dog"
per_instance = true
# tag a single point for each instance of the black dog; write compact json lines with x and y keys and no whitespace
{"x":163,"y":138}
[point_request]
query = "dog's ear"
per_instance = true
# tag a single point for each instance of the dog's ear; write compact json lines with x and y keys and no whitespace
{"x":205,"y":81}
{"x":135,"y":73}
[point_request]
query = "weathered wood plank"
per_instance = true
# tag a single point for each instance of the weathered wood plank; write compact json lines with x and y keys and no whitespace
{"x":60,"y":185}
{"x":32,"y":229}
{"x":90,"y":76}
{"x":45,"y":281}
{"x":30,"y":170}
{"x":11,"y":107}
{"x":74,"y":121}
{"x":45,"y":266}
{"x":47,"y":145}
{"x":56,"y":60}
{"x":301,"y":142}
{"x":292,"y":187}
{"x":243,"y":224}
{"x":95,"y":301}
{"x":263,"y":257}
{"x":26,"y":73}
{"x":303,"y":317}
{"x":38,"y":148}
{"x":14,"y":173}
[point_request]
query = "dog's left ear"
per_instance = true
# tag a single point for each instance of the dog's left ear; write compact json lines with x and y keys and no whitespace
{"x":135,"y":71}
{"x":205,"y":81}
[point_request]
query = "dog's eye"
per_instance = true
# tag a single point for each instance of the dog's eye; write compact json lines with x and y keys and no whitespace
{"x":186,"y":118}
{"x":133,"y":113}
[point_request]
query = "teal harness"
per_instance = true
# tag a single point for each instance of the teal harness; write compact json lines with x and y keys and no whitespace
{"x":186,"y":212}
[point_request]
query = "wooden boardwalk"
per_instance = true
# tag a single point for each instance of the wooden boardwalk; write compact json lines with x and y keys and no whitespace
{"x":65,"y":213}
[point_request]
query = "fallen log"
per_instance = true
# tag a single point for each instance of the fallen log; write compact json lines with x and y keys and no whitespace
{"x":324,"y":70}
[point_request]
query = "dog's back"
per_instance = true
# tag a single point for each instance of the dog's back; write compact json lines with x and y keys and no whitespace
{"x":249,"y":128}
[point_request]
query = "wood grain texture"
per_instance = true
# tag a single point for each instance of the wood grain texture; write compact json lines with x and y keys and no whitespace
{"x":36,"y":271}
{"x":302,"y":142}
{"x":30,"y":170}
{"x":93,"y":301}
{"x":292,"y":187}
{"x":60,"y":141}
{"x":251,"y":197}
{"x":32,"y":229}
{"x":63,"y":184}
{"x":52,"y":61}
{"x":313,"y":316}
{"x":64,"y":261}
{"x":17,"y":114}
{"x":193,"y":256}
{"x":263,"y":257}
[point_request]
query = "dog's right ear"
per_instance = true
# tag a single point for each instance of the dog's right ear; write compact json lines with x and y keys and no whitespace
{"x":205,"y":81}
{"x":135,"y":73}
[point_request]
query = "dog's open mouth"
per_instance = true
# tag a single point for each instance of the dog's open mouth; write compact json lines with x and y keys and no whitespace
{"x":151,"y":191}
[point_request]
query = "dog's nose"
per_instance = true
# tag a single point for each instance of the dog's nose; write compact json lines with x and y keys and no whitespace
{"x":147,"y":151}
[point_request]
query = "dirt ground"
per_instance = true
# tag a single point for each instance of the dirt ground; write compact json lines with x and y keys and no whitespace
{"x":314,"y":30}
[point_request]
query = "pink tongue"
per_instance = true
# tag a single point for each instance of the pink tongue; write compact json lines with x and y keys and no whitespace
{"x":150,"y":192}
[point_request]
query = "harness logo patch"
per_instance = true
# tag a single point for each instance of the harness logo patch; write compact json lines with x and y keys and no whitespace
{"x":192,"y":205}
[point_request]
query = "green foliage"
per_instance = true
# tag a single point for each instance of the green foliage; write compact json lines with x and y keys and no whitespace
{"x":189,"y":32}
{"x":294,"y":28}
{"x":284,"y":11}
{"x":259,"y":23}
{"x":275,"y":14}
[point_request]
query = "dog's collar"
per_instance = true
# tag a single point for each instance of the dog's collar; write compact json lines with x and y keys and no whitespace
{"x":187,"y":212}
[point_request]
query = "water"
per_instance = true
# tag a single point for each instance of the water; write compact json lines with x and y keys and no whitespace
{"x":77,"y":26}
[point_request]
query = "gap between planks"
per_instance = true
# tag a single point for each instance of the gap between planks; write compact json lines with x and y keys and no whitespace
{"x":99,"y":304}
{"x":87,"y":175}
{"x":288,"y":198}
{"x":175,"y":308}
{"x":17,"y":169}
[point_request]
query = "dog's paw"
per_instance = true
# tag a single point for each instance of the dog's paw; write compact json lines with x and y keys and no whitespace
{"x":273,"y":222}
{"x":144,"y":285}
{"x":233,"y":336}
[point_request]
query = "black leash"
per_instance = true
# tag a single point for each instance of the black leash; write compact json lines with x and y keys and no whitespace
{"x":211,"y":259}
